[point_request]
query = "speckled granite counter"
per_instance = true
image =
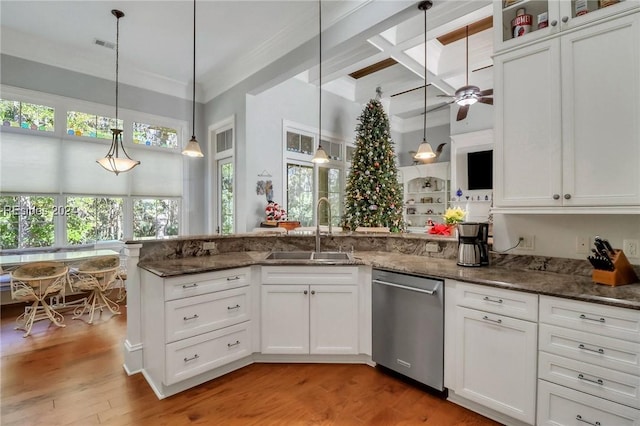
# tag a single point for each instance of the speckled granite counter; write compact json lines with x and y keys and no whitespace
{"x":573,"y":286}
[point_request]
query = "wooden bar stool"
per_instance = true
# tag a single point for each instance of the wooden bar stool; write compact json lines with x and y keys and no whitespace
{"x":99,"y":276}
{"x":35,"y":282}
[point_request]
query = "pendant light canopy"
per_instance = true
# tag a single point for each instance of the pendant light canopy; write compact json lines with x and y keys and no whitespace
{"x":320,"y":157}
{"x":113,"y":162}
{"x":193,"y":147}
{"x":424,"y":150}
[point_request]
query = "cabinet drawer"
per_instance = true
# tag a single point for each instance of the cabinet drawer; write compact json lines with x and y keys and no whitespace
{"x":592,"y":379}
{"x":558,"y":405}
{"x":193,"y":285}
{"x":196,"y":355}
{"x":604,"y":351}
{"x":591,"y":317}
{"x":499,"y":301}
{"x":309,"y":275}
{"x":191,"y":316}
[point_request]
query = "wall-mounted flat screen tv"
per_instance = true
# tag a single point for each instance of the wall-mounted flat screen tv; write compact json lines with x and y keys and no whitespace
{"x":480,"y":169}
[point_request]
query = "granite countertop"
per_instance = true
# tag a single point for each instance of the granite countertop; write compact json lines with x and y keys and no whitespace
{"x":548,"y":283}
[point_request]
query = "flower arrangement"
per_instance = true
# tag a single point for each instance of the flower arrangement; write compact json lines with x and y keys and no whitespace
{"x":454,"y":215}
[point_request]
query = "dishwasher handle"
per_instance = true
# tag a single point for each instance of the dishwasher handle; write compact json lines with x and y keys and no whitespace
{"x":418,"y":290}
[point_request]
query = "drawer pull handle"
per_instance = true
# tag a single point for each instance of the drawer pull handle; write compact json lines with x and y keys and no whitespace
{"x":233,"y":278}
{"x":597,"y":382}
{"x":580,"y":419}
{"x":190,"y":285}
{"x":599,"y":350}
{"x":194,"y":316}
{"x":229,"y":308}
{"x":192,"y":358}
{"x":230,"y":345}
{"x":488,"y":299}
{"x":486,"y":318}
{"x":584,"y":317}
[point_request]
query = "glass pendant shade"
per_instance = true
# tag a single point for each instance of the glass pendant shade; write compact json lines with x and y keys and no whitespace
{"x":320,"y":156}
{"x":424,"y":151}
{"x":112,"y":161}
{"x":193,"y":148}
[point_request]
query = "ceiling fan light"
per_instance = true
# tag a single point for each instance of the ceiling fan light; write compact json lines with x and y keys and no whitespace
{"x":467,"y":101}
{"x":193,"y":148}
{"x":424,"y":151}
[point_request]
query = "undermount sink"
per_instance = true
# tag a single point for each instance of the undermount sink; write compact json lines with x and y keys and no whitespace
{"x":324,"y":256}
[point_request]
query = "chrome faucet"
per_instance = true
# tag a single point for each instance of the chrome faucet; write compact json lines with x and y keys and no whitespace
{"x":325,"y":199}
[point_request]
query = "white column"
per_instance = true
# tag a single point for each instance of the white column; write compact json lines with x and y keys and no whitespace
{"x":133,"y":342}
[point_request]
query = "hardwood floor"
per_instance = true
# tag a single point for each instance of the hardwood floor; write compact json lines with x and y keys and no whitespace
{"x":74,"y":376}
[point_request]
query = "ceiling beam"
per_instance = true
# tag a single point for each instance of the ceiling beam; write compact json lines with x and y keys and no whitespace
{"x":460,"y":33}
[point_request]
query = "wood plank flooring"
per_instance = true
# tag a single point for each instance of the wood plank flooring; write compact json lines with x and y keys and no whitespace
{"x":74,"y":376}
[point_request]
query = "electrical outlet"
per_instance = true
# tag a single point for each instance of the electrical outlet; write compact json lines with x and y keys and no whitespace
{"x":208,"y":245}
{"x":527,"y":242}
{"x":432,"y":247}
{"x":582,"y":244}
{"x":630,"y":248}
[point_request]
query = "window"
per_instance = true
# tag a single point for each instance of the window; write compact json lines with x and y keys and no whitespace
{"x":224,"y":141}
{"x":92,"y":219}
{"x":26,"y":115}
{"x":302,"y":144}
{"x":155,"y":218}
{"x":91,"y":125}
{"x":333,"y":149}
{"x":300,"y":193}
{"x":222,"y":201}
{"x":158,"y":136}
{"x":225,"y":179}
{"x":330,"y":186}
{"x":26,"y":221}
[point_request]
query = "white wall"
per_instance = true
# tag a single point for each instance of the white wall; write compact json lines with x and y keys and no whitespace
{"x":410,"y":141}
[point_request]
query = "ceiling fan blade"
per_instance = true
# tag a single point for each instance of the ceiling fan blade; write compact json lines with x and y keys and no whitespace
{"x":482,"y":68}
{"x":487,"y":92}
{"x":487,"y":101}
{"x":446,"y":96}
{"x":462,"y":112}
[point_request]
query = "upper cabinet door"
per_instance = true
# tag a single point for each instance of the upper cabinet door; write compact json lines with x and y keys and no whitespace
{"x":601,"y":114}
{"x":527,"y":153}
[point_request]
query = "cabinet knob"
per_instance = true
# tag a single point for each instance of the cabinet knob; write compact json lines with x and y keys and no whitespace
{"x":565,"y":19}
{"x":556,"y":196}
{"x":305,"y":292}
{"x":567,"y":196}
{"x":313,"y":292}
{"x":554,"y":23}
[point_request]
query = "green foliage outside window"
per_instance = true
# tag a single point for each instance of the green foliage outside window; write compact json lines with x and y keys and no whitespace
{"x":26,"y":115}
{"x":300,"y":194}
{"x":26,"y":222}
{"x":163,"y":137}
{"x":226,"y":195}
{"x":93,"y":219}
{"x":155,"y":218}
{"x":91,"y":125}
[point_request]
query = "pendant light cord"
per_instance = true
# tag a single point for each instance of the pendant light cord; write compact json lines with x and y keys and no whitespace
{"x":117,"y":63}
{"x":424,"y":127}
{"x":320,"y":73}
{"x":467,"y":49}
{"x":193,"y":107}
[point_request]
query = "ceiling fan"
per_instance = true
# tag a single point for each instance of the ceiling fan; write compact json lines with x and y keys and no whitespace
{"x":467,"y":95}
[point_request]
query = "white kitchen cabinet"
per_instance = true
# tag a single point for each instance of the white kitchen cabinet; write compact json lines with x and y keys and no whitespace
{"x":194,"y":327}
{"x":561,"y":16}
{"x":302,"y":318}
{"x":567,"y":134}
{"x":426,"y":193}
{"x":491,"y":350}
{"x":589,"y":363}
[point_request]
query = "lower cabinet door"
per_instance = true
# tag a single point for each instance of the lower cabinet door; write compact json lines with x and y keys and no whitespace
{"x":285,"y":319}
{"x":333,"y":319}
{"x":558,"y":406}
{"x":496,"y":362}
{"x":196,"y":355}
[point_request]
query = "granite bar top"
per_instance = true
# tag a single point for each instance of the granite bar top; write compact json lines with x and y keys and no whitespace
{"x":572,"y":286}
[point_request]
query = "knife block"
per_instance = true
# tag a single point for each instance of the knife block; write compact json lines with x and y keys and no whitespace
{"x":622,"y":273}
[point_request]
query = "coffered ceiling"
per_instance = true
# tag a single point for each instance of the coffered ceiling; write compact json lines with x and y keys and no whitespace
{"x":236,"y":39}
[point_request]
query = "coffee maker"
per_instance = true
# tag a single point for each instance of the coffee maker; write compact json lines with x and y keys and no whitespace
{"x":473,"y":247}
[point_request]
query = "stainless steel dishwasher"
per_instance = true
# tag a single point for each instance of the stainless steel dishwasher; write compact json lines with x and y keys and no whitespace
{"x":408,"y":326}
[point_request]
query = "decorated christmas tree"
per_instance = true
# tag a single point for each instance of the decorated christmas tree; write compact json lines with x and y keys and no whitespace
{"x":374,"y":195}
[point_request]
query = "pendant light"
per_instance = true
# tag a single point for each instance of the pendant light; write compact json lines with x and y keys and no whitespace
{"x":320,"y":156}
{"x":112,"y":161}
{"x":424,"y":150}
{"x":193,"y":147}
